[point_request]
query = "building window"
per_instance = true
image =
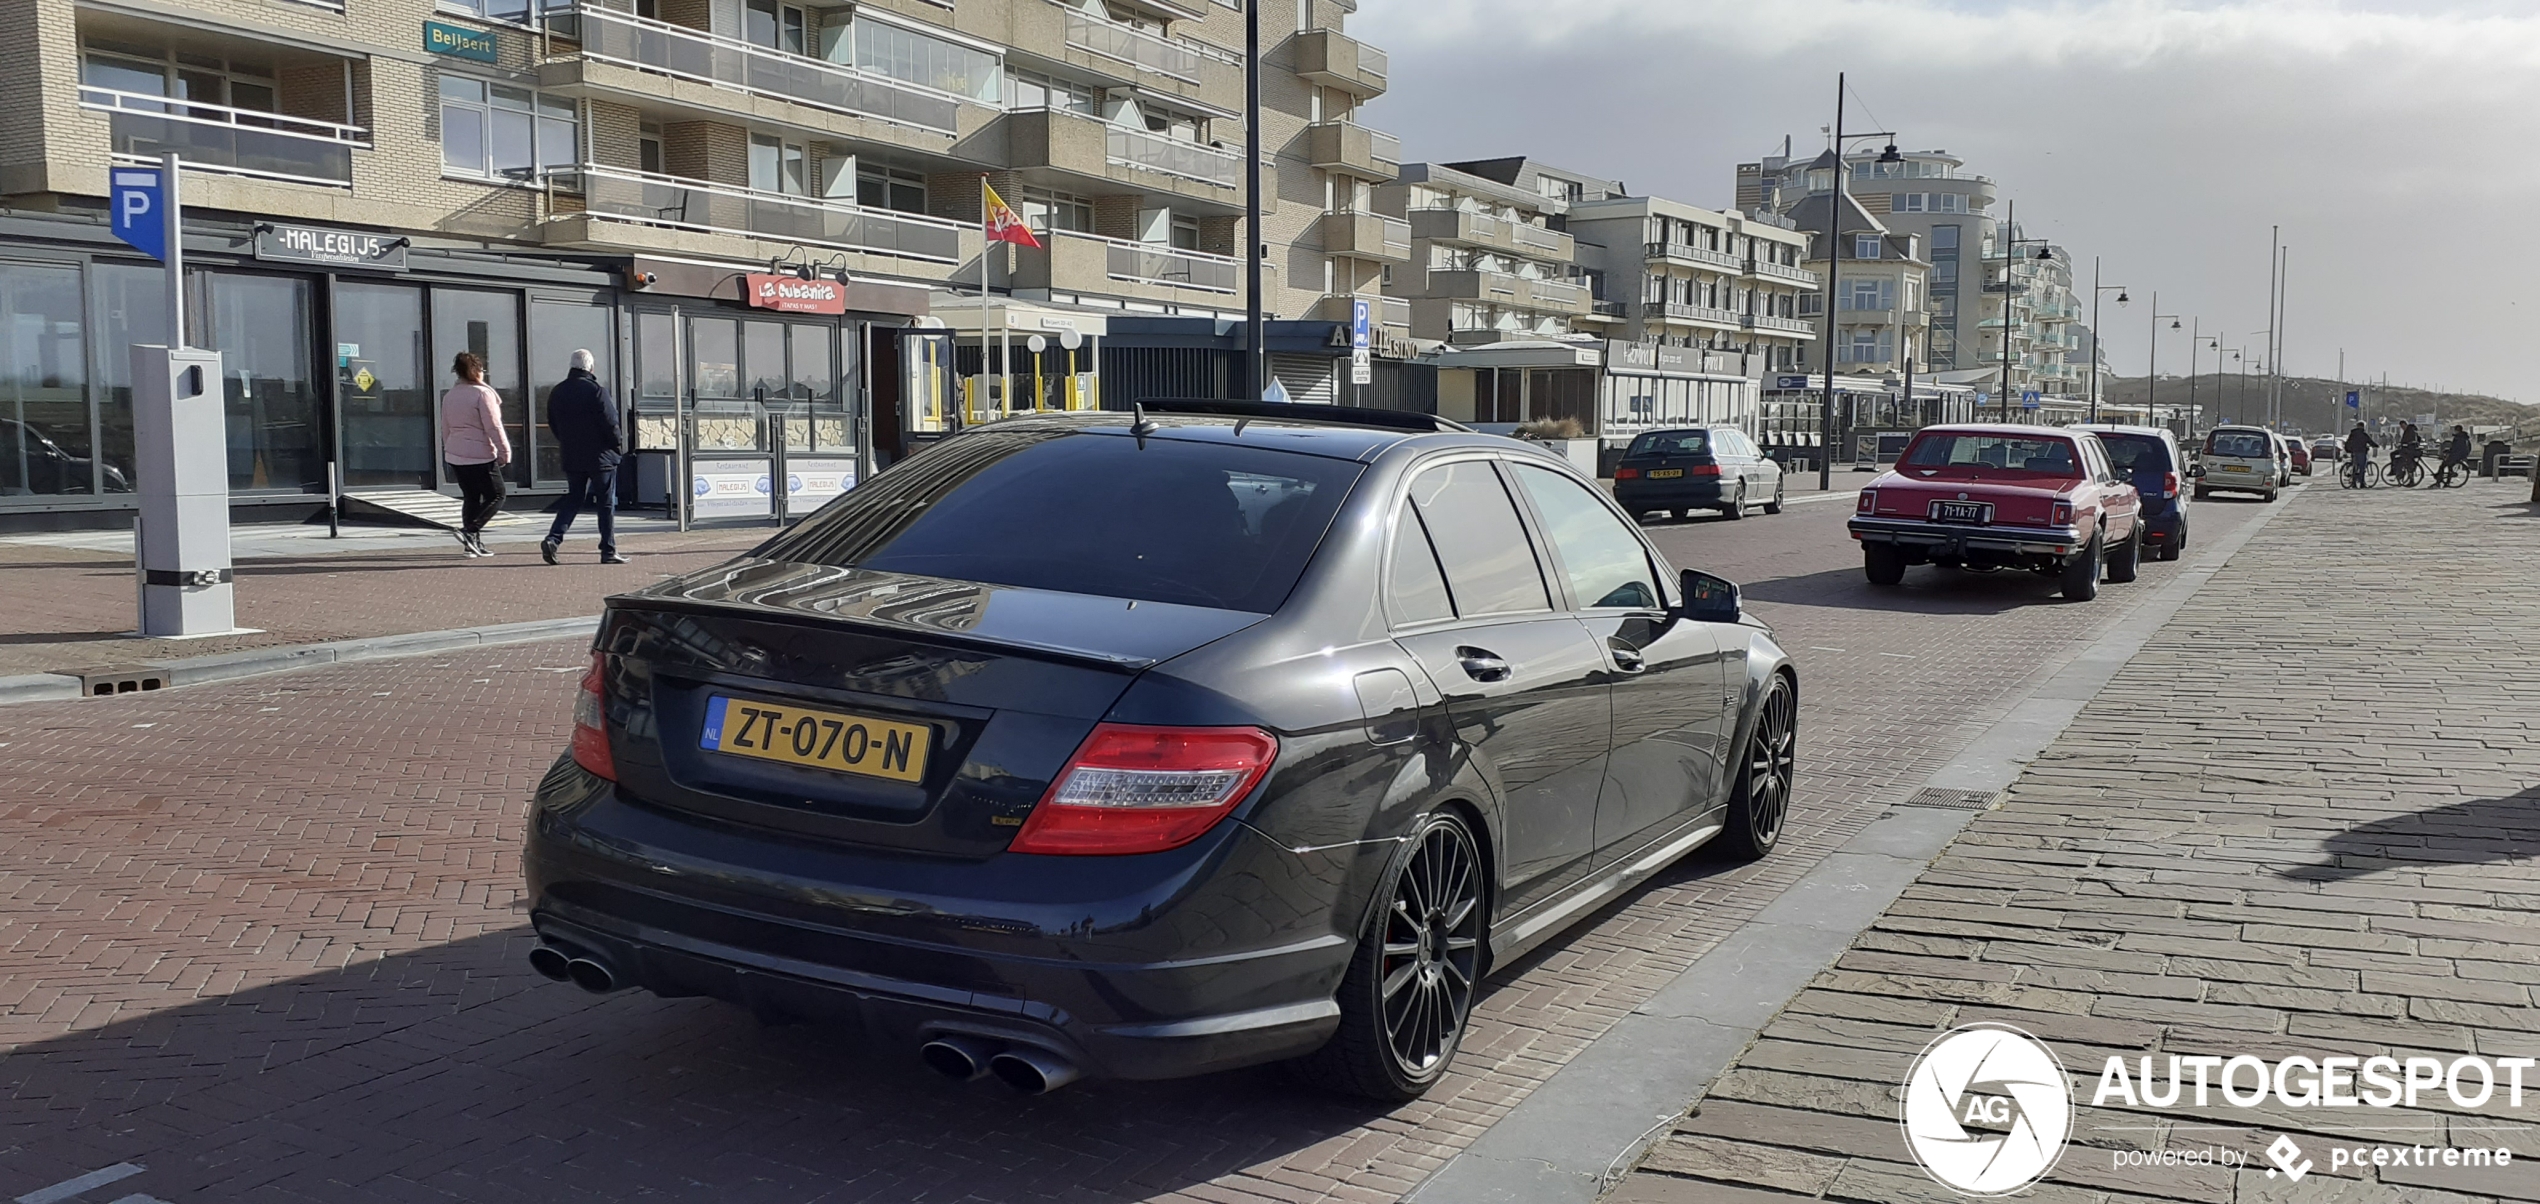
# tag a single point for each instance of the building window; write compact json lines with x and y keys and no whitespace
{"x":1186,"y":238}
{"x":1045,"y":210}
{"x":1865,"y":246}
{"x":203,"y":79}
{"x":515,"y":12}
{"x":1033,"y":90}
{"x":491,"y":131}
{"x":885,"y":188}
{"x":648,"y":149}
{"x":779,"y":166}
{"x":773,"y":25}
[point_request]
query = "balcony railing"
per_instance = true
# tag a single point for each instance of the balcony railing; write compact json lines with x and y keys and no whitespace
{"x":627,"y":40}
{"x":1778,"y":271}
{"x":1133,"y":46}
{"x":1559,"y":294}
{"x":1685,"y":311}
{"x":1778,"y":325}
{"x":1694,"y":254}
{"x":1147,"y":263}
{"x":1530,"y":234}
{"x":1174,"y":157}
{"x":1394,"y":311}
{"x":245,"y":142}
{"x":683,"y":204}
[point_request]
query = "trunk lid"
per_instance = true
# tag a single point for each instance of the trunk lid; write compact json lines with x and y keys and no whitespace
{"x":2021,"y":503}
{"x":1002,"y":682}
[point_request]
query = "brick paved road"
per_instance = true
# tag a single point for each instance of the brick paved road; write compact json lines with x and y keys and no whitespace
{"x":261,"y":938}
{"x":2301,"y":821}
{"x":64,"y":609}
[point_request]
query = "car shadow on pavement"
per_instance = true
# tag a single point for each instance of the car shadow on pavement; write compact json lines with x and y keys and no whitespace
{"x":1927,"y":589}
{"x":2489,"y":831}
{"x":454,"y":1072}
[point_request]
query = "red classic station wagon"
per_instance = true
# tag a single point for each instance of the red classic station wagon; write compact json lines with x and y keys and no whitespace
{"x":1987,"y":497}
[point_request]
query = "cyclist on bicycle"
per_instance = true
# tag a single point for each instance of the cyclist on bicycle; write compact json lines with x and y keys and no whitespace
{"x":2359,"y":445}
{"x":2411,"y":446}
{"x":2457,"y":451}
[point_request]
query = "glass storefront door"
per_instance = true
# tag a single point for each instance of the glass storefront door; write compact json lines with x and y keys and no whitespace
{"x":556,"y":330}
{"x":45,"y":442}
{"x":385,"y":386}
{"x":487,"y":323}
{"x":769,"y":431}
{"x":260,"y":325}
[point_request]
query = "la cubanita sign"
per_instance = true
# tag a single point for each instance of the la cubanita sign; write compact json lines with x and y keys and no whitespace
{"x":795,"y":295}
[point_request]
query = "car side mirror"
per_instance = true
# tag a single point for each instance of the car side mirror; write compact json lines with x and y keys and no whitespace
{"x":1710,"y":599}
{"x":2196,"y":470}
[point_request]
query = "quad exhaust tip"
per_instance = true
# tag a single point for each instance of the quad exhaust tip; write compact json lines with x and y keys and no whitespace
{"x":591,"y":975}
{"x":1032,"y":1071}
{"x":963,"y":1058}
{"x":551,"y":962}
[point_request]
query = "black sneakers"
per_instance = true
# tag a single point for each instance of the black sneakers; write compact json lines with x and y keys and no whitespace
{"x":547,"y":548}
{"x":611,"y":558}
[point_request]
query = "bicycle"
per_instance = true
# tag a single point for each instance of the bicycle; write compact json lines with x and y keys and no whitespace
{"x":2406,"y":471}
{"x":2452,"y":474}
{"x":2359,"y":473}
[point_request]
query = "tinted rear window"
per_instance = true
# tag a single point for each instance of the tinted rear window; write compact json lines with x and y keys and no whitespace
{"x":1199,"y":524}
{"x":2243,"y":445}
{"x":1947,"y":454}
{"x":1682,"y":443}
{"x":2130,"y":452}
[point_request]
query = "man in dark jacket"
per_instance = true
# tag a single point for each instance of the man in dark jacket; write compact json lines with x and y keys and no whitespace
{"x":583,"y":418}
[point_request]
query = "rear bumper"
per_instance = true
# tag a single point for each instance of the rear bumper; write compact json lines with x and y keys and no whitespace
{"x":1668,"y":495}
{"x":1100,"y":961}
{"x":1944,"y":541}
{"x":2240,"y":482}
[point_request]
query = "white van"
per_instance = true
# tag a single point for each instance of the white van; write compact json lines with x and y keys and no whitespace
{"x":2239,"y":459}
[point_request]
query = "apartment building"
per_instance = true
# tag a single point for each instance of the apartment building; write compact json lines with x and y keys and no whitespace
{"x":1925,"y":195}
{"x":1489,"y":261}
{"x":1675,"y":275}
{"x":763,"y":216}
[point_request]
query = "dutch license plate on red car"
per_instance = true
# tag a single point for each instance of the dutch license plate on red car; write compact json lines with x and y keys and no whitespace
{"x":1962,"y":512}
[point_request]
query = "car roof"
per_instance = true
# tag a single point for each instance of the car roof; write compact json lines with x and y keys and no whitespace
{"x":2117,"y":428}
{"x":1300,"y":434}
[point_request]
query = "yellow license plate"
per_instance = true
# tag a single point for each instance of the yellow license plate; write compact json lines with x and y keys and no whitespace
{"x":796,"y":735}
{"x":2235,"y":468}
{"x":1661,"y":474}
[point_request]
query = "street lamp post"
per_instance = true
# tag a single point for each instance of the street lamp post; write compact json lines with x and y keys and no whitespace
{"x":2011,"y":244}
{"x":1834,"y":272}
{"x":2152,"y":372}
{"x":2096,"y":291}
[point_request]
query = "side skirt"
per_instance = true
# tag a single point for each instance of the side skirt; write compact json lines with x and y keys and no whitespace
{"x":1514,"y":938}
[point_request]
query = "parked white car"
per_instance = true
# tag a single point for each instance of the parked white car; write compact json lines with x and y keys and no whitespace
{"x":2241,"y":459}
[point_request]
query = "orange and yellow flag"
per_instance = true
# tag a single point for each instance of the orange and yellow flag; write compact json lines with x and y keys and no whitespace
{"x":1004,"y":225}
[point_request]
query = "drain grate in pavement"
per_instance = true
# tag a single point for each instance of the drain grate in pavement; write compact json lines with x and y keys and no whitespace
{"x":1955,"y":800}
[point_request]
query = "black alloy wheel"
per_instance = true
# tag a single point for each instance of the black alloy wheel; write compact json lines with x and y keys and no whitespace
{"x":1410,"y":987}
{"x":1762,"y":802}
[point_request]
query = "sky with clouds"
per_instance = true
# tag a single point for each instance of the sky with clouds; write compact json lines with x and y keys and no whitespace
{"x":2394,"y":143}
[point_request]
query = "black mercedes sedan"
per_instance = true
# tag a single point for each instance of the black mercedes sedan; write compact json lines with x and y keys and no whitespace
{"x":1147,"y":745}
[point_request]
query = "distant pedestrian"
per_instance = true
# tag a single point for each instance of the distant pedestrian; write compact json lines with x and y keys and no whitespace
{"x":583,"y":418}
{"x":473,"y":442}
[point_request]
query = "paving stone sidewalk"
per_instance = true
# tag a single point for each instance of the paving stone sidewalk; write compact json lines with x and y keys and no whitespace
{"x":2304,"y":820}
{"x":66,"y":602}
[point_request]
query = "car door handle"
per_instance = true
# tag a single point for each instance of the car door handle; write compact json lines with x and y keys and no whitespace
{"x":1627,"y":659}
{"x":1481,"y":664}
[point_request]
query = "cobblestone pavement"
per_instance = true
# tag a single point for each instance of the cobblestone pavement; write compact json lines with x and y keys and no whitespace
{"x":262,"y":938}
{"x":2300,"y":822}
{"x":63,"y":609}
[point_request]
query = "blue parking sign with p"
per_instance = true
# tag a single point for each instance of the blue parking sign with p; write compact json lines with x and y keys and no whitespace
{"x":2354,"y":400}
{"x":138,"y":216}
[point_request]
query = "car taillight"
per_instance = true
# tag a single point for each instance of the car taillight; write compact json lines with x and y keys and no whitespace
{"x":2169,"y":484}
{"x":2063,"y":514}
{"x":1869,"y":501}
{"x":1135,"y":789}
{"x":590,"y":722}
{"x":1703,"y":470}
{"x":1626,"y":474}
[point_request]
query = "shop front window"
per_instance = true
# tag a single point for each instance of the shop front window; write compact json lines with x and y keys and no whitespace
{"x":45,"y":446}
{"x":487,"y":323}
{"x":557,"y":329}
{"x":385,"y":386}
{"x":277,"y":435}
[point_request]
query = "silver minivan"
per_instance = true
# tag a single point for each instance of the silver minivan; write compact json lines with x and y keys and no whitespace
{"x":2240,"y":459}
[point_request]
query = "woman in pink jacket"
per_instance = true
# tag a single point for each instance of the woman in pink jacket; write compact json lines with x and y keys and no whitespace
{"x":473,"y":442}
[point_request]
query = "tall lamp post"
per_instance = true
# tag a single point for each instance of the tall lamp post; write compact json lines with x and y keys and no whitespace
{"x":1834,"y":270}
{"x":2011,"y":243}
{"x":2195,"y":350}
{"x":2152,"y":371}
{"x":2097,"y":290}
